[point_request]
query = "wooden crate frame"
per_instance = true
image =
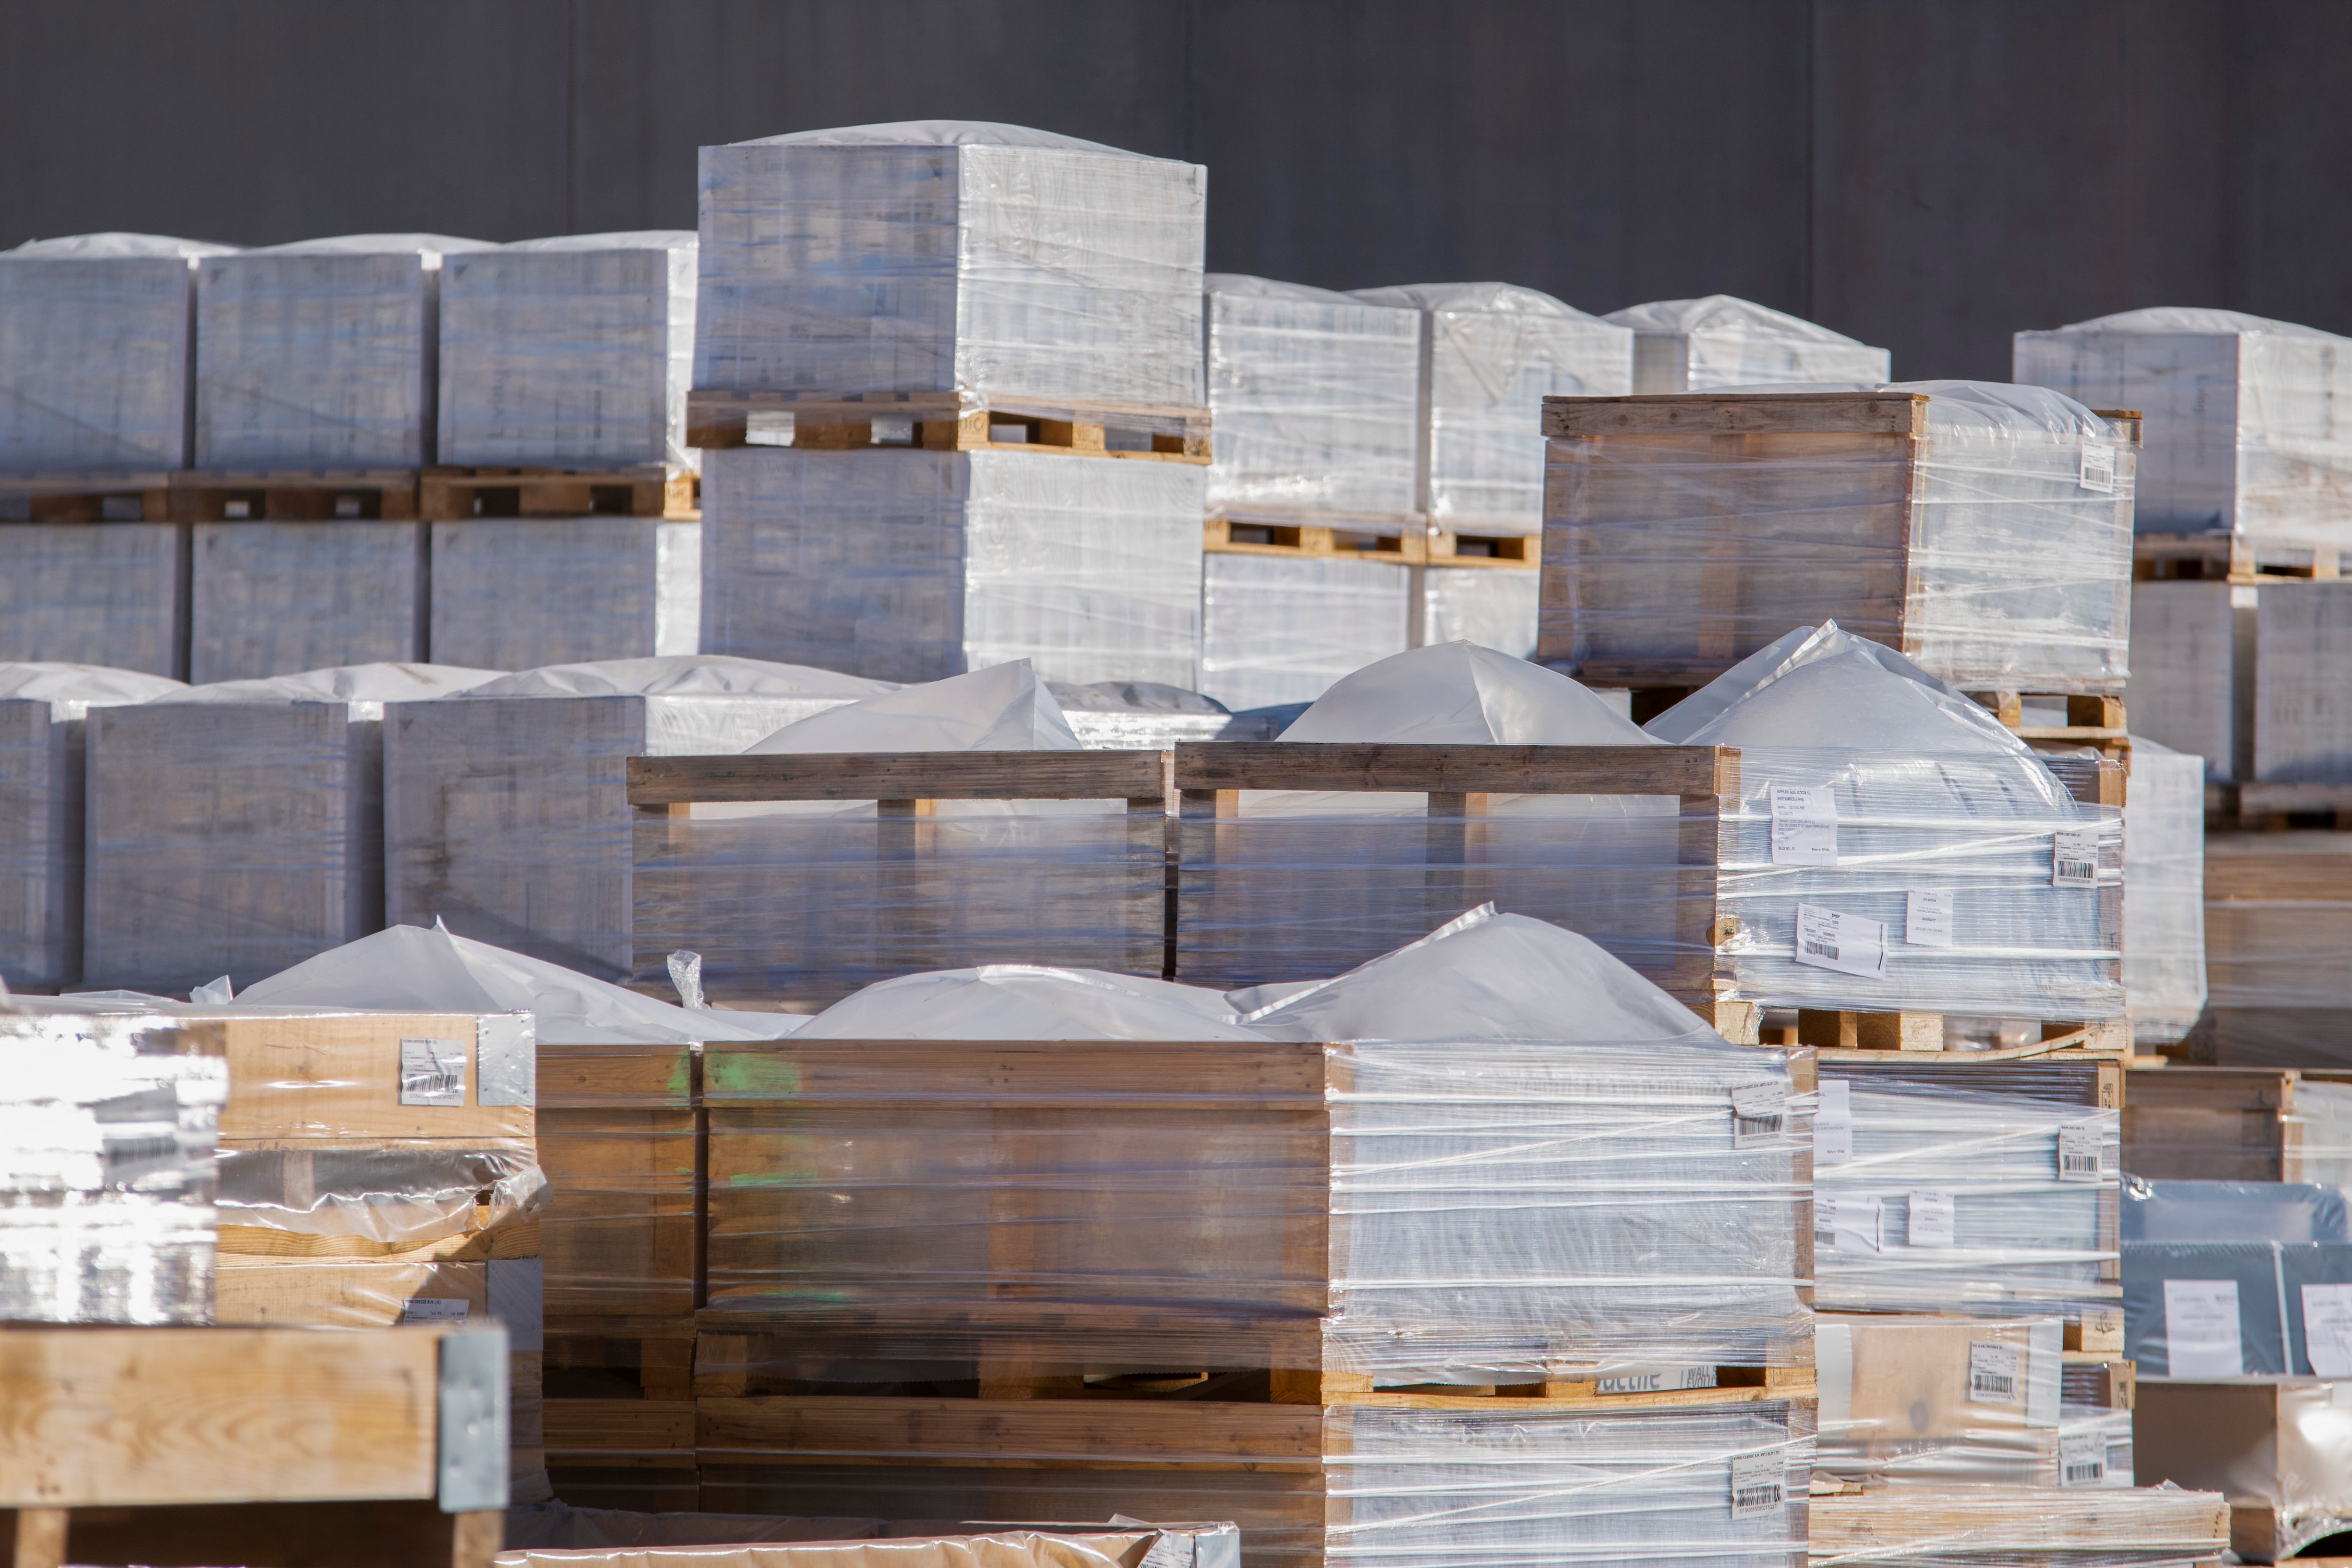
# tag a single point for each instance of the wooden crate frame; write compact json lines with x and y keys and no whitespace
{"x":945,"y":422}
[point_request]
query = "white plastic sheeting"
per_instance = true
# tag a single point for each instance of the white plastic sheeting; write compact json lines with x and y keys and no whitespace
{"x":1498,"y":606}
{"x":2303,"y":667}
{"x":1461,"y":693}
{"x":42,"y":710}
{"x":518,"y":593}
{"x":1128,"y":715}
{"x":94,"y":339}
{"x":919,"y":565}
{"x":1697,"y":346}
{"x":2247,"y":425}
{"x":507,"y":813}
{"x":112,"y":594}
{"x":1005,"y":708}
{"x":1276,"y":629}
{"x":319,"y":354}
{"x":2163,"y":892}
{"x":571,"y":351}
{"x":1026,"y":1002}
{"x":1491,"y":353}
{"x":1316,"y":399}
{"x":2193,"y":651}
{"x":990,"y":261}
{"x":272,"y":598}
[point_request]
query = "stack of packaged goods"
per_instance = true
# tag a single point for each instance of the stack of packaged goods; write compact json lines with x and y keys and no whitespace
{"x":96,"y":341}
{"x":948,"y":444}
{"x":2164,"y":895}
{"x":1701,"y":345}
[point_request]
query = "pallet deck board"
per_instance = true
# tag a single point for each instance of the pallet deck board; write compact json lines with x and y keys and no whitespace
{"x":942,"y":421}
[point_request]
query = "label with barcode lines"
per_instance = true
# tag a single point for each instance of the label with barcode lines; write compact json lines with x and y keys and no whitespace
{"x":1993,"y":1373}
{"x":2079,"y":1154}
{"x":432,"y":1072}
{"x":1758,"y":1485}
{"x":2074,"y":859}
{"x":2082,"y":1459}
{"x":1757,"y":1113}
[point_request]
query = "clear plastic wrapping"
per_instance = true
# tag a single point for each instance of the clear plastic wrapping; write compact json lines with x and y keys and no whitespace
{"x":2163,"y":892}
{"x":94,"y":352}
{"x":515,"y":594}
{"x":1128,"y":715}
{"x":320,"y":354}
{"x":1993,"y":548}
{"x":569,"y":352}
{"x":273,"y":599}
{"x":1316,"y":397}
{"x":2246,"y":429}
{"x":2225,"y":1279}
{"x":990,"y":261}
{"x":1276,"y":630}
{"x":2278,"y":948}
{"x":919,"y":565}
{"x":2280,"y":1452}
{"x":1696,"y":345}
{"x":677,"y":1540}
{"x":1491,"y":353}
{"x":1494,"y":606}
{"x":114,"y":594}
{"x":2193,"y":667}
{"x":2303,"y":663}
{"x":2020,"y":1526}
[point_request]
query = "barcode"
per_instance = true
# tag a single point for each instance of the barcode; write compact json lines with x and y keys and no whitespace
{"x":2074,"y":1162}
{"x":1820,"y":949}
{"x":1992,"y":1384}
{"x":437,"y":1079}
{"x":2078,"y":870}
{"x":2077,"y":1471}
{"x":1765,"y":1494}
{"x":1743,"y":1127}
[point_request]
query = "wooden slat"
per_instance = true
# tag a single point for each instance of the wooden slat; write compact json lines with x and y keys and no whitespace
{"x":644,"y":1077}
{"x":898,"y":775}
{"x":1468,"y":770}
{"x":336,"y":1075}
{"x":582,"y":1431}
{"x":1064,"y":1434}
{"x":1082,"y":1074}
{"x":1743,"y":414}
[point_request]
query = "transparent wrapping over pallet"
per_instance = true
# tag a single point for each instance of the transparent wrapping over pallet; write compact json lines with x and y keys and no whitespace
{"x":1130,"y":715}
{"x":569,"y":352}
{"x":1495,"y":607}
{"x":2226,"y":1279}
{"x":1449,"y":1212}
{"x":2278,"y":948}
{"x":115,"y":596}
{"x":2303,"y":662}
{"x":94,"y":339}
{"x":1316,"y":399}
{"x":561,"y":1535}
{"x":2020,"y":1526}
{"x":1491,"y":353}
{"x":990,"y":261}
{"x":1697,"y":346}
{"x":2163,"y":892}
{"x":516,"y":594}
{"x":1276,"y":630}
{"x":919,"y":565}
{"x":275,"y":598}
{"x":2245,"y":417}
{"x":106,"y":1168}
{"x":2280,"y":1451}
{"x":2193,"y":667}
{"x":1963,"y":1201}
{"x":1991,"y":545}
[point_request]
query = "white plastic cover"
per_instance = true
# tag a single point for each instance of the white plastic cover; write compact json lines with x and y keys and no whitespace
{"x":989,"y":261}
{"x":114,"y":594}
{"x":920,"y":565}
{"x":1695,"y":345}
{"x":517,"y":593}
{"x":2163,"y":892}
{"x":1491,"y":353}
{"x":357,"y":683}
{"x":69,"y":686}
{"x":1840,"y":692}
{"x":1497,"y":605}
{"x":1132,"y":715}
{"x":1026,"y":1002}
{"x":570,"y":351}
{"x":113,"y":245}
{"x":1460,"y":693}
{"x":1971,"y":724}
{"x":682,"y":674}
{"x":1005,"y":708}
{"x":1276,"y":629}
{"x":268,"y":598}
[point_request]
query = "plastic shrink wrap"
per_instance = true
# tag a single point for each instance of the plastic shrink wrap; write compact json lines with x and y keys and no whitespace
{"x":920,"y":565}
{"x":507,"y":816}
{"x":2226,"y":1279}
{"x":2245,"y":417}
{"x":992,"y":262}
{"x":276,"y":598}
{"x":2020,"y":1526}
{"x":2280,"y":1452}
{"x":238,"y":827}
{"x":515,"y":594}
{"x":113,"y":595}
{"x":1315,"y":400}
{"x":558,"y":1535}
{"x":94,"y":352}
{"x":1494,"y":606}
{"x":2239,"y":1124}
{"x":43,"y":708}
{"x":1126,"y":715}
{"x":1276,"y":629}
{"x":574,"y":352}
{"x":2193,"y":647}
{"x":2303,"y":664}
{"x":1990,"y":540}
{"x":2163,"y":892}
{"x":320,"y":354}
{"x":1491,"y":352}
{"x":1697,"y":346}
{"x":106,"y":1169}
{"x":2278,"y":950}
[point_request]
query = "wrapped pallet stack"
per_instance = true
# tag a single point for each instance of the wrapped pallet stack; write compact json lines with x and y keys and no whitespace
{"x":1701,"y":345}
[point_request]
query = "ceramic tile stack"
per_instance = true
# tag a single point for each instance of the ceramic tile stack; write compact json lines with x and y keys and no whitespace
{"x":97,"y":337}
{"x":945,"y":444}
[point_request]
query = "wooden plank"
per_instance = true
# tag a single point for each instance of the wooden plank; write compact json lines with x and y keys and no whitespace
{"x":336,"y":1075}
{"x":1083,"y":1075}
{"x":347,"y":1534}
{"x":1741,"y":414}
{"x":898,"y":775}
{"x":586,"y":1431}
{"x":1403,"y":543}
{"x":717,"y":418}
{"x":1068,"y":1434}
{"x":641,"y":489}
{"x":643,"y":1078}
{"x":313,"y":495}
{"x":1688,"y":771}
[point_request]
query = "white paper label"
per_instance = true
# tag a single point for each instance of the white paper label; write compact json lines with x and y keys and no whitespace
{"x":1847,"y":944}
{"x":1758,"y":1113}
{"x":1927,"y":918}
{"x":2074,"y":859}
{"x":1757,"y":1484}
{"x":2082,"y":1459}
{"x":2080,"y":1153}
{"x":1833,"y":1124}
{"x":2201,"y":1329}
{"x":432,"y":1072}
{"x":432,"y":1309}
{"x":1850,"y":1224}
{"x":1929,"y":1219}
{"x":1656,"y":1380}
{"x":2327,"y":1330}
{"x":2098,"y":470}
{"x":1804,"y":826}
{"x":1992,"y":1373}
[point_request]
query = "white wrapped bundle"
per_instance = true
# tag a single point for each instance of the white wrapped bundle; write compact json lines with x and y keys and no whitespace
{"x":2247,"y":418}
{"x":990,"y":261}
{"x":506,"y":812}
{"x":1491,"y":355}
{"x":112,"y":594}
{"x":94,"y":352}
{"x":2302,"y":665}
{"x":921,"y":565}
{"x":569,"y":352}
{"x":1494,"y":606}
{"x":1315,"y":397}
{"x":42,"y":710}
{"x":1276,"y":629}
{"x":2193,"y":670}
{"x":1143,"y":715}
{"x":274,"y":598}
{"x":519,"y":593}
{"x":238,"y":827}
{"x":1696,"y":345}
{"x":2163,"y":892}
{"x":320,"y":354}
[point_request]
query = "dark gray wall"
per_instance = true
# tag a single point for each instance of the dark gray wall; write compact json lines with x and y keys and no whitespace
{"x":1926,"y":174}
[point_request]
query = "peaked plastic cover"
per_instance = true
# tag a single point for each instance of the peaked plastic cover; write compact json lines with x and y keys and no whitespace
{"x":1836,"y":690}
{"x":82,"y":683}
{"x":1026,"y":1002}
{"x":1005,"y":708}
{"x":1806,"y":645}
{"x":114,"y":243}
{"x":1696,"y":345}
{"x":681,"y":675}
{"x":1461,"y":693}
{"x":361,"y":683}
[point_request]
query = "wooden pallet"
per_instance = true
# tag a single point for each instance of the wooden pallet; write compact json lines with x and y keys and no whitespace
{"x":295,"y":495}
{"x":86,"y":496}
{"x":942,"y":421}
{"x":2228,"y":557}
{"x":2093,"y":719}
{"x":1453,"y":547}
{"x":602,"y":1354}
{"x":648,"y":489}
{"x":1866,"y":1036}
{"x":2261,"y":807}
{"x":1399,"y":541}
{"x":2097,"y":1377}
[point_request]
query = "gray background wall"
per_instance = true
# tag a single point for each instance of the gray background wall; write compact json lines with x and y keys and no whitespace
{"x":1924,"y":175}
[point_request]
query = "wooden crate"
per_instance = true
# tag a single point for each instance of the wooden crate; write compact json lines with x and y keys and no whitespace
{"x":2237,"y":1125}
{"x":1826,"y":488}
{"x":86,"y":496}
{"x":942,"y":421}
{"x":2278,"y":923}
{"x":184,"y":1445}
{"x":647,"y":489}
{"x":2271,"y":1447}
{"x":295,"y":495}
